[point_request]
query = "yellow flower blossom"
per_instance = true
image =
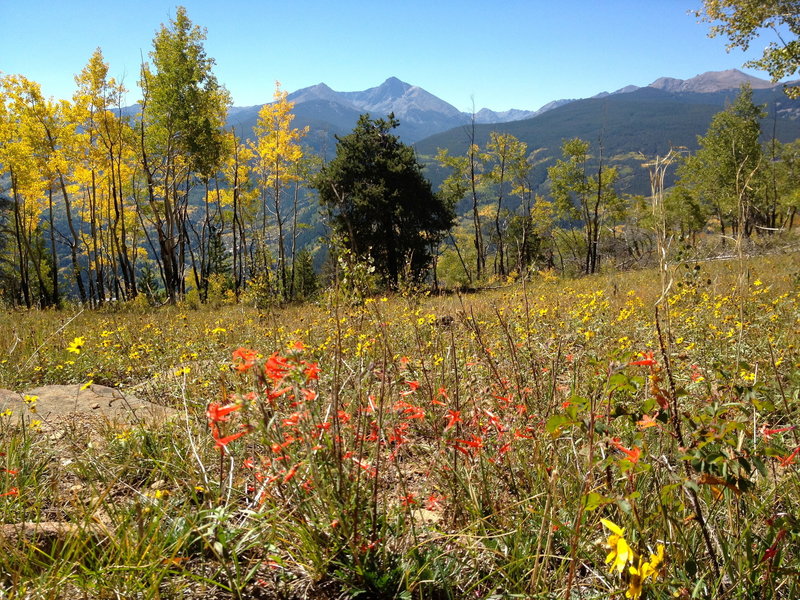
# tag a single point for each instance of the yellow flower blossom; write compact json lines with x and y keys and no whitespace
{"x":76,"y":345}
{"x":620,"y":552}
{"x":645,"y":569}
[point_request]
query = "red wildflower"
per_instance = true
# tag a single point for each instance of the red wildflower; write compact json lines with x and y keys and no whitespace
{"x":275,"y":393}
{"x":221,"y":442}
{"x":412,"y":385}
{"x":398,"y":435}
{"x":217,"y":413}
{"x":243,"y":359}
{"x":291,"y":473}
{"x":647,"y":361}
{"x":453,"y":417}
{"x":276,"y":367}
{"x":475,"y":442}
{"x":494,"y":420}
{"x":311,"y":370}
{"x":408,"y":500}
{"x":632,"y":454}
{"x":433,"y":502}
{"x":768,"y":432}
{"x":785,"y":462}
{"x":12,"y":492}
{"x":292,"y":420}
{"x":773,"y":550}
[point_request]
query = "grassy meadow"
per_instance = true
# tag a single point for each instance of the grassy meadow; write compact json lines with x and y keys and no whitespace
{"x":552,"y":439}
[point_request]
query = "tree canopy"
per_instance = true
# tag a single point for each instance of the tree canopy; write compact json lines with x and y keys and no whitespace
{"x":741,"y":21}
{"x":380,"y":203}
{"x":725,"y":173}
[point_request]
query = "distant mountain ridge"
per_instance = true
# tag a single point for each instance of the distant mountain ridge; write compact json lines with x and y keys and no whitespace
{"x":704,"y":83}
{"x":421,"y":114}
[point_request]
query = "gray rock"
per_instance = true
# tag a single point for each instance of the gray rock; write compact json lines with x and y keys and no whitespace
{"x":57,"y":402}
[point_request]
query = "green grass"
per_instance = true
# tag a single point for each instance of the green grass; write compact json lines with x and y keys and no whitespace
{"x":428,"y":460}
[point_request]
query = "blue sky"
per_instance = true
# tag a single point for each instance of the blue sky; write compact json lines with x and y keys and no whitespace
{"x":503,"y":54}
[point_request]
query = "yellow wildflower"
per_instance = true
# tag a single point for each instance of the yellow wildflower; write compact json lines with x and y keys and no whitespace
{"x":620,"y":552}
{"x":646,"y":569}
{"x":76,"y":345}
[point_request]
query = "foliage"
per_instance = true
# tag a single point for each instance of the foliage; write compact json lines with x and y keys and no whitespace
{"x":379,"y":201}
{"x":725,"y":175}
{"x":277,"y":153}
{"x":579,"y":196}
{"x":181,"y":137}
{"x":742,"y":21}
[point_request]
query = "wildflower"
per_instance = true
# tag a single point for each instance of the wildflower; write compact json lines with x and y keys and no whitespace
{"x":768,"y":432}
{"x":291,"y":473}
{"x":244,"y":359}
{"x":453,"y":417}
{"x":31,"y":402}
{"x":770,"y":552}
{"x":647,"y":360}
{"x":311,"y":370}
{"x":638,"y":575}
{"x":413,"y":386}
{"x":434,"y":502}
{"x":619,"y":553}
{"x":632,"y":454}
{"x":785,"y":462}
{"x":221,"y":442}
{"x":12,"y":492}
{"x":442,"y":393}
{"x":215,"y":413}
{"x":276,"y":367}
{"x":408,"y":500}
{"x":76,"y":345}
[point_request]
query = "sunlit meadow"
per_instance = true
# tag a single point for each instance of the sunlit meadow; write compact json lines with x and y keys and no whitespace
{"x":552,"y":439}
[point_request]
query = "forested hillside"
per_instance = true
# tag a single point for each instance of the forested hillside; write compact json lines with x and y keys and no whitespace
{"x":181,"y":195}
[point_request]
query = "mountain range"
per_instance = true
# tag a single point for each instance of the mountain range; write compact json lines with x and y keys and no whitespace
{"x":420,"y":113}
{"x":329,"y":113}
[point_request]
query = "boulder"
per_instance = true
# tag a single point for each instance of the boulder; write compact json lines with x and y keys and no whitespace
{"x":58,"y":403}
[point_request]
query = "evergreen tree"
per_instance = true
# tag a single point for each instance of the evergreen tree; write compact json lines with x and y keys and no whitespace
{"x":305,"y":276}
{"x":379,"y":201}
